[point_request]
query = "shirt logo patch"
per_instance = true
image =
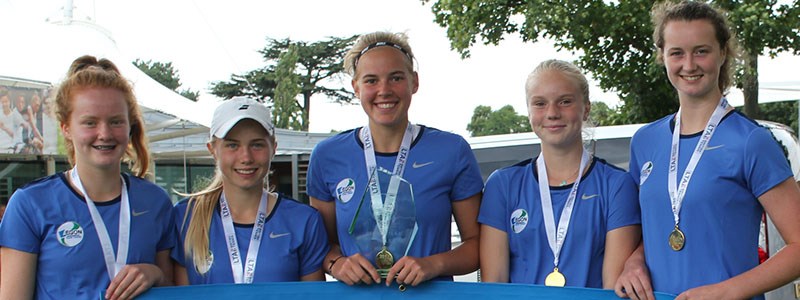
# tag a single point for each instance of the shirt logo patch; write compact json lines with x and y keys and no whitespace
{"x":69,"y":234}
{"x":519,"y":219}
{"x":646,"y":169}
{"x":138,"y":213}
{"x":209,"y":262}
{"x":345,"y":190}
{"x":714,"y":147}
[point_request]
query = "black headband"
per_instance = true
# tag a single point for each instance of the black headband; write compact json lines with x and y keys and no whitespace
{"x":380,"y":44}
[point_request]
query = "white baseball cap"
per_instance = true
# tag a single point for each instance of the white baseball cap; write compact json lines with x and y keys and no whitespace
{"x":232,"y":111}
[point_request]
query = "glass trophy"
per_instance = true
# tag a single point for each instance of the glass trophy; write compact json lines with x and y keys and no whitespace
{"x":385,"y":221}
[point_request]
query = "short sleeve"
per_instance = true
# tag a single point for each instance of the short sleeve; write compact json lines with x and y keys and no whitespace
{"x":22,"y":225}
{"x":494,"y":205}
{"x":633,"y":165}
{"x":624,"y":207}
{"x":468,"y":181}
{"x":315,"y":177}
{"x":765,"y":164}
{"x":315,"y":246}
{"x":169,"y":234}
{"x":177,"y":254}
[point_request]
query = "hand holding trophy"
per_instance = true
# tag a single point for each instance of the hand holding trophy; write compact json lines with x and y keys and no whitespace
{"x":385,"y":222}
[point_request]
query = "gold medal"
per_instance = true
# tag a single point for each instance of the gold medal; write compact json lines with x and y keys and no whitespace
{"x":555,"y":278}
{"x":677,"y":239}
{"x":384,"y":259}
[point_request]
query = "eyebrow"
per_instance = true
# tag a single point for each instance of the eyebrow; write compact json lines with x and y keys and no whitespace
{"x":238,"y":141}
{"x":390,"y":74}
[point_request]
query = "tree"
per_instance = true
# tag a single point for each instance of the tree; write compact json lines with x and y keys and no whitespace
{"x":316,"y":63}
{"x":784,"y":112}
{"x":286,"y":113}
{"x":165,"y":74}
{"x":602,"y":115}
{"x":615,"y":40}
{"x":504,"y":120}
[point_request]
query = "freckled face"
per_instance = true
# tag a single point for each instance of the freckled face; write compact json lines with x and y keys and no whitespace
{"x":99,"y":127}
{"x":556,"y":109}
{"x":693,"y":58}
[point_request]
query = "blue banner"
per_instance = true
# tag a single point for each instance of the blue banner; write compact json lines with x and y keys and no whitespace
{"x":438,"y":290}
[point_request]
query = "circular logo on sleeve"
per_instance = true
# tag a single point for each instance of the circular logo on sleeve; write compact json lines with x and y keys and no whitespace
{"x":69,"y":234}
{"x":345,"y":190}
{"x":519,"y":219}
{"x":647,"y":168}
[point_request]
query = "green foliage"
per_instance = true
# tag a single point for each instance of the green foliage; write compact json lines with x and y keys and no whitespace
{"x":317,"y":64}
{"x":504,"y":120}
{"x":189,"y":94}
{"x":286,"y":113}
{"x":601,"y":114}
{"x":166,"y":75}
{"x":614,"y":39}
{"x":784,"y":112}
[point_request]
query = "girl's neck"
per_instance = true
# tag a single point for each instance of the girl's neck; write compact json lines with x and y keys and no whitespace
{"x":387,"y":139}
{"x":244,"y":204}
{"x":695,"y":113}
{"x":562,"y":164}
{"x":101,"y":185}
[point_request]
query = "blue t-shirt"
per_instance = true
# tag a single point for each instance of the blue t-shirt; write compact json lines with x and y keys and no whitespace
{"x":720,"y":213}
{"x":293,"y":245}
{"x":606,"y":200}
{"x":440,"y":167}
{"x":48,"y":218}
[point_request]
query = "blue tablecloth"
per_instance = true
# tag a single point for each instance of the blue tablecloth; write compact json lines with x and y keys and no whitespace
{"x":336,"y":290}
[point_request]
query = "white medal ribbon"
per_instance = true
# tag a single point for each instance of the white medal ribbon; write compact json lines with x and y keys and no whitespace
{"x":383,"y":210}
{"x":246,"y":274}
{"x":676,"y":192}
{"x":113,"y":265}
{"x":556,"y":238}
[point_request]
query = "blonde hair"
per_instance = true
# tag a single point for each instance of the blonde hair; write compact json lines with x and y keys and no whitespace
{"x":202,"y":205}
{"x":370,"y":40}
{"x":566,"y":68}
{"x":88,"y":72}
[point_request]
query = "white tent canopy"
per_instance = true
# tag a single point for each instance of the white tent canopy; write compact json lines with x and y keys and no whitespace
{"x":177,"y":127}
{"x":769,"y":92}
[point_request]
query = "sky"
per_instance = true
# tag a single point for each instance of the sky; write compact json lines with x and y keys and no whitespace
{"x":208,"y":40}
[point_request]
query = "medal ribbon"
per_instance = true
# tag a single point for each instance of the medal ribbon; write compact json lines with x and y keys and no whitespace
{"x":383,"y":210}
{"x":246,"y":274}
{"x":556,"y":238}
{"x":676,"y":192}
{"x":113,"y":265}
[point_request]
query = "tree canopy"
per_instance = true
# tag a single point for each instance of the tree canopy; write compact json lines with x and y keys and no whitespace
{"x":315,"y":65}
{"x":614,"y":39}
{"x":166,"y":75}
{"x":504,"y":120}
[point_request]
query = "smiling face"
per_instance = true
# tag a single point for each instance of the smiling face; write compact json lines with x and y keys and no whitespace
{"x":98,"y":127}
{"x":243,"y":156}
{"x":556,"y":109}
{"x":36,"y":103}
{"x":6,"y":103}
{"x":20,"y":103}
{"x":693,"y":58}
{"x":384,"y":84}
